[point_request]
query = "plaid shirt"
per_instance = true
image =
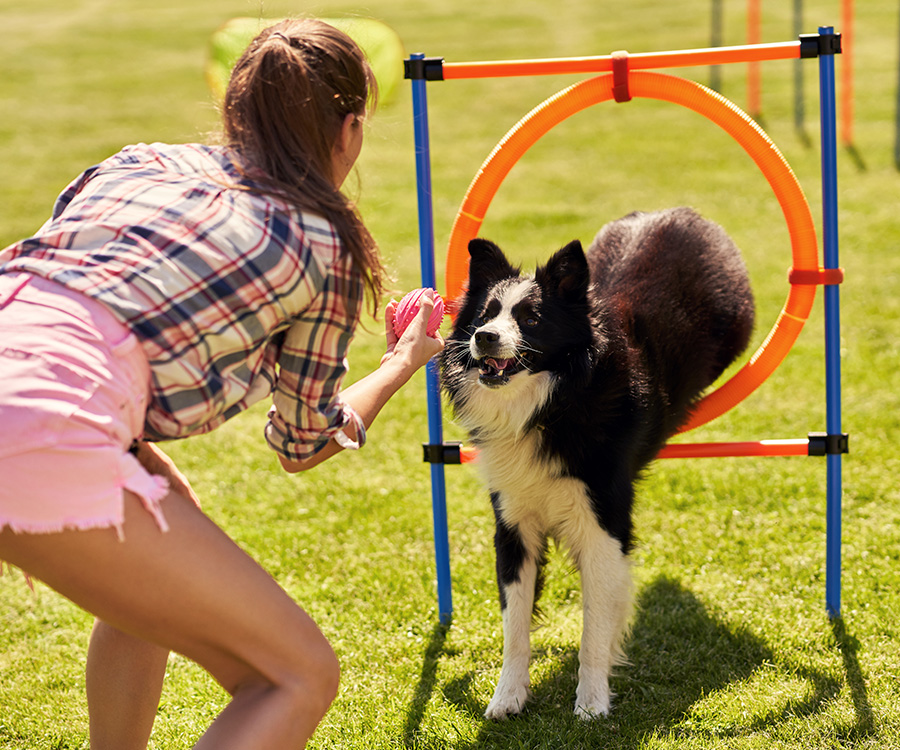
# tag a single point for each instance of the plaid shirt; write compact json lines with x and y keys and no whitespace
{"x":233,"y":294}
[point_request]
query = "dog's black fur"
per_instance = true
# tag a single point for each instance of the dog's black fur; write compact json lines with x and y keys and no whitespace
{"x":595,"y":362}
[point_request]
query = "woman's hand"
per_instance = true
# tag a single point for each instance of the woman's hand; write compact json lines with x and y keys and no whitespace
{"x":415,"y":347}
{"x":152,"y":458}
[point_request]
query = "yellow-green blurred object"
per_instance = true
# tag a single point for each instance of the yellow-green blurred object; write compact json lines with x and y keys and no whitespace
{"x":379,"y":41}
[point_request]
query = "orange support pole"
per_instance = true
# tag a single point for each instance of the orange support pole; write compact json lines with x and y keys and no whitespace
{"x":798,"y":447}
{"x":847,"y":72}
{"x":755,"y":448}
{"x":753,"y":75}
{"x":636,"y":61}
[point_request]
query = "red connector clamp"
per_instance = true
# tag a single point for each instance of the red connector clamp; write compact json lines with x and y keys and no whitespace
{"x":823,"y":276}
{"x":620,"y":76}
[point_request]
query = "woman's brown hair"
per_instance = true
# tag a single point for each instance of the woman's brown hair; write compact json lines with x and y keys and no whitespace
{"x":284,"y":107}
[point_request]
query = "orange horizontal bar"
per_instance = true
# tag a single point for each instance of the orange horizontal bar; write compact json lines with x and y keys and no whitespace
{"x":789,"y":447}
{"x":636,"y":61}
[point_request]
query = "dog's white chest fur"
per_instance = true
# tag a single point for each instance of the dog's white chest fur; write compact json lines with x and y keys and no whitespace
{"x":503,"y":413}
{"x":536,"y":498}
{"x":534,"y":494}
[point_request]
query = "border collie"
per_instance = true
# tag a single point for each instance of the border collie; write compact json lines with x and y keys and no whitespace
{"x":569,"y":382}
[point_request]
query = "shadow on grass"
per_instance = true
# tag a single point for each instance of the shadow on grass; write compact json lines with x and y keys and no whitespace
{"x":856,"y":157}
{"x":856,"y":681}
{"x":679,"y":654}
{"x":425,"y":686}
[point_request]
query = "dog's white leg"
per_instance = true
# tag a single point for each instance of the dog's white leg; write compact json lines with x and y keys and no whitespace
{"x":513,"y":687}
{"x":516,"y":572}
{"x":607,"y":594}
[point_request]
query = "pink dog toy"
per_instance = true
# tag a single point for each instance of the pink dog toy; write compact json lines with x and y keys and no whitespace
{"x":408,"y":308}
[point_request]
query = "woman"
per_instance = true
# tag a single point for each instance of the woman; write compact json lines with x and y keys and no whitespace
{"x":173,"y":287}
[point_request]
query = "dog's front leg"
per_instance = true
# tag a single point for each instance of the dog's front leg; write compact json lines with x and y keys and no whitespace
{"x":607,"y":595}
{"x":516,"y":576}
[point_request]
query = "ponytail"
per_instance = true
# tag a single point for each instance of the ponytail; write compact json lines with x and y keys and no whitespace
{"x":287,"y":99}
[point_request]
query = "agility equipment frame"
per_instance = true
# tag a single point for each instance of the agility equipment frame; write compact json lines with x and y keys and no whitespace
{"x":623,"y":81}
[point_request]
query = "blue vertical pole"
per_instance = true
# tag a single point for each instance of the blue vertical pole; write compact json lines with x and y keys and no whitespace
{"x":435,"y":420}
{"x":832,"y":329}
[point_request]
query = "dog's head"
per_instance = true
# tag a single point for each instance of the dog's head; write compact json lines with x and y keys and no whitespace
{"x":510,"y":326}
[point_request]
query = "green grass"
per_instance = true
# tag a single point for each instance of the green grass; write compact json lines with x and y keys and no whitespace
{"x":731,"y":646}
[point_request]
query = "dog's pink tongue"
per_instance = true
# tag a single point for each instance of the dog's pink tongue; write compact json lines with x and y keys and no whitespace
{"x":500,"y":364}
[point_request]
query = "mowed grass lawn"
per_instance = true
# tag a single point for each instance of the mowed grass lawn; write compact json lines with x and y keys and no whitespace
{"x":731,"y":646}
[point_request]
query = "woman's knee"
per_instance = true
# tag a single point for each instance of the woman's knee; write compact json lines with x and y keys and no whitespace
{"x":330,"y":680}
{"x":306,"y":672}
{"x":319,"y":676}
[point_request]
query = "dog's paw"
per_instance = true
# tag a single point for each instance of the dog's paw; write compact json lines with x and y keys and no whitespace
{"x":507,"y":702}
{"x":592,"y":702}
{"x":589,"y":713}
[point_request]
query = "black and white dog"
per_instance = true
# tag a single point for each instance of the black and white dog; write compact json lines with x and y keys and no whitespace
{"x":569,"y":382}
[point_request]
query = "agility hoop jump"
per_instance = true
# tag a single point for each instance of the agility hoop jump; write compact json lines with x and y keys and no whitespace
{"x":624,"y":81}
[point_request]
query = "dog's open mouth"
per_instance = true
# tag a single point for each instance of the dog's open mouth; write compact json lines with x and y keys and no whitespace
{"x":496,"y":372}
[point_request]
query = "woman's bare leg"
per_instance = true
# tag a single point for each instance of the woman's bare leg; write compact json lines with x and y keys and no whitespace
{"x":194,"y":591}
{"x":124,"y":683}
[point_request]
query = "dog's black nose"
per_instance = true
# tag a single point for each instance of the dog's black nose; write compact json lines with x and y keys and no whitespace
{"x":486,"y":337}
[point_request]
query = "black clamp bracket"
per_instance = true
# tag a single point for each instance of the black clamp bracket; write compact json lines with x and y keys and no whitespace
{"x":813,"y":45}
{"x":444,"y":453}
{"x":429,"y":68}
{"x":823,"y":444}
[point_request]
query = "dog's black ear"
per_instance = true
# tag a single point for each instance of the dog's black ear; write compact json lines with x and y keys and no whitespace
{"x":487,"y":264}
{"x":566,"y":273}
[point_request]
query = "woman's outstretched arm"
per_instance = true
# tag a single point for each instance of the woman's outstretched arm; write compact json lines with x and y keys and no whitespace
{"x":367,"y":396}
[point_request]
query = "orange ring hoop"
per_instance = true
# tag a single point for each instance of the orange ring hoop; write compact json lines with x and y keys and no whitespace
{"x":733,"y":121}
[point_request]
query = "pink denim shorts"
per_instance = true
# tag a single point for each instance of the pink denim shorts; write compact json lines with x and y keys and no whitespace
{"x":74,"y":384}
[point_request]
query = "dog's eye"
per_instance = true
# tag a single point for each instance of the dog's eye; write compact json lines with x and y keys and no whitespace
{"x":530,"y":321}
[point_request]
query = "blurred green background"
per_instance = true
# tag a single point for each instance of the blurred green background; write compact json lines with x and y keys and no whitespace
{"x":731,"y":646}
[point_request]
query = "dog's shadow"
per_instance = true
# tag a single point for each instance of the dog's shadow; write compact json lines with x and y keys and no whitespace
{"x":679,"y":654}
